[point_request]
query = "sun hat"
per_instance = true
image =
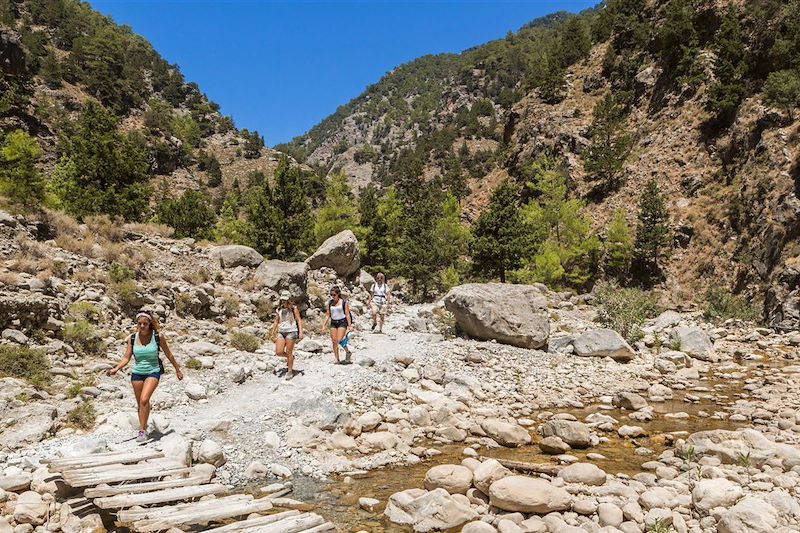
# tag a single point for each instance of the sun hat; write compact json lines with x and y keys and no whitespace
{"x":285,"y":295}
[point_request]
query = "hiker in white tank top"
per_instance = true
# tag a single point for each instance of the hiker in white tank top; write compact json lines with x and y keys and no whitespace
{"x":338,"y":312}
{"x":287,"y":329}
{"x":379,"y":299}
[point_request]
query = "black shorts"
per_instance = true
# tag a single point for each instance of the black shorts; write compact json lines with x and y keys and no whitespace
{"x":336,"y":324}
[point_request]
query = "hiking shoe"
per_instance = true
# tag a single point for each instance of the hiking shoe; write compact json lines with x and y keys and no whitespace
{"x":373,"y":326}
{"x":347,"y":357}
{"x":142,"y":437}
{"x":289,"y":376}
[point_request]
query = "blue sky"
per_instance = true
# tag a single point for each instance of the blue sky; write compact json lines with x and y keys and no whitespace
{"x":282,"y":66}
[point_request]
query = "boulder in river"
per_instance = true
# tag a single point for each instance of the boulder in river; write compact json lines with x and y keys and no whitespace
{"x":428,"y":511}
{"x":603,"y":343}
{"x":510,"y":314}
{"x":528,"y":495}
{"x":576,"y":434}
{"x":729,"y":446}
{"x":693,"y":341}
{"x":506,"y":434}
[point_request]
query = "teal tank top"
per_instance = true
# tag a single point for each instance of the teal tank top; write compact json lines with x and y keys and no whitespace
{"x":146,"y":356}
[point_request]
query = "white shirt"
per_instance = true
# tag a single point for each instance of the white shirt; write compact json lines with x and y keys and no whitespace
{"x":337,"y":311}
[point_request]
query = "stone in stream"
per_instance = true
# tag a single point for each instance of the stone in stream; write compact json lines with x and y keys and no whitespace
{"x":487,"y":473}
{"x":455,"y":479}
{"x":428,"y":511}
{"x":576,"y":434}
{"x":710,"y":493}
{"x":585,"y":473}
{"x":609,"y":515}
{"x":509,"y":314}
{"x":728,"y":446}
{"x":630,"y":401}
{"x":603,"y":343}
{"x":506,"y":434}
{"x":751,"y":515}
{"x":528,"y":495}
{"x":693,"y":341}
{"x":369,"y":504}
{"x":553,"y":445}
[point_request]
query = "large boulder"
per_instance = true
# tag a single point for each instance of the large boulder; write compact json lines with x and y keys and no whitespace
{"x":340,"y":252}
{"x":693,"y":341}
{"x":487,"y":473}
{"x":505,"y":433}
{"x":728,"y":446}
{"x":603,"y":343}
{"x":510,"y":314}
{"x":279,"y":275}
{"x":718,"y":492}
{"x":585,"y":473}
{"x":211,"y":452}
{"x":576,"y":434}
{"x":30,"y":509}
{"x":455,"y":479}
{"x":528,"y":495}
{"x":751,"y":515}
{"x":428,"y":511}
{"x":233,"y":255}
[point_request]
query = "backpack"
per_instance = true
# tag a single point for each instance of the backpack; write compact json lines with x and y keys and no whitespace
{"x":158,"y":349}
{"x":344,"y":306}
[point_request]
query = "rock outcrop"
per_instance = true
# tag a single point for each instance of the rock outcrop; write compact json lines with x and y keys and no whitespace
{"x":511,"y":314}
{"x":340,"y":252}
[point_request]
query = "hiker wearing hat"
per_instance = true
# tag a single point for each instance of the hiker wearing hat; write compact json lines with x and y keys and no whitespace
{"x":379,"y":299}
{"x":289,"y":328}
{"x":145,"y":345}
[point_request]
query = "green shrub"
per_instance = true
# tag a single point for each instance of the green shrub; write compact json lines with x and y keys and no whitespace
{"x":23,"y":363}
{"x":245,"y":341}
{"x":445,"y":322}
{"x":193,"y":364}
{"x":191,"y":215}
{"x":625,"y":309}
{"x":82,"y":336}
{"x":127,"y":294}
{"x":119,"y":273}
{"x":82,"y":416}
{"x":74,"y":389}
{"x":183,"y":303}
{"x":265,"y":309}
{"x":84,"y":311}
{"x":722,"y":305}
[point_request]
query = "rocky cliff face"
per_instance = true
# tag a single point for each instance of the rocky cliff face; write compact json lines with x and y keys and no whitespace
{"x":732,"y":194}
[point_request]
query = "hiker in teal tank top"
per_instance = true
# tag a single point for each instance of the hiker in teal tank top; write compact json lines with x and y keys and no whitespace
{"x":145,"y":347}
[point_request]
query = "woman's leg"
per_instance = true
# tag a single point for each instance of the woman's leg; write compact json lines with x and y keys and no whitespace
{"x":340,"y":333}
{"x":137,"y":391}
{"x":335,"y":343}
{"x":289,"y":356}
{"x":280,"y":346}
{"x":149,"y":386}
{"x":381,"y":317}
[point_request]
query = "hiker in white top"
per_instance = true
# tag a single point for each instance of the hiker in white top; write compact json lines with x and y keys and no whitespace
{"x":338,"y":313}
{"x":379,"y":299}
{"x":289,"y":328}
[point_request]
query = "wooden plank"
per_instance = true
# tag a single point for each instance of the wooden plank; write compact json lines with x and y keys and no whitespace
{"x":290,"y":503}
{"x":101,"y":459}
{"x":253,"y":522}
{"x":290,"y":525}
{"x":202,"y":516}
{"x":122,"y":501}
{"x":132,"y":515}
{"x":117,"y":476}
{"x":537,"y":468}
{"x":322,"y":528}
{"x":148,"y":486}
{"x":163,"y":463}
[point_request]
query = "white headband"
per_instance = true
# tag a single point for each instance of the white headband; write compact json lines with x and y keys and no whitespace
{"x":140,"y":315}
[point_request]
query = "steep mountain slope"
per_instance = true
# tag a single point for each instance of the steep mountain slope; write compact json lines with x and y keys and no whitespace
{"x":688,"y":77}
{"x":59,"y":55}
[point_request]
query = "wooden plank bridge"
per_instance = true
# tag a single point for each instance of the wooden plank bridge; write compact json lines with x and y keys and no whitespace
{"x":149,"y":493}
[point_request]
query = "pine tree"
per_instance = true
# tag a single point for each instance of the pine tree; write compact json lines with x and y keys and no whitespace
{"x":338,"y":212}
{"x":652,"y":231}
{"x":101,"y":170}
{"x":782,"y":90}
{"x":725,"y":94}
{"x":679,"y":42}
{"x":230,"y":228}
{"x":575,"y":41}
{"x":384,"y":234}
{"x":253,"y":144}
{"x":263,"y":221}
{"x":787,"y":41}
{"x":618,"y":246}
{"x":556,"y":228}
{"x":498,"y":239}
{"x":191,"y":215}
{"x":611,"y":143}
{"x":20,"y":180}
{"x":296,"y":230}
{"x":452,"y":235}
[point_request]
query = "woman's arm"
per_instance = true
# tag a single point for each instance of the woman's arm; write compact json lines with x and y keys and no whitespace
{"x":325,"y":320}
{"x":164,"y":346}
{"x":299,"y":320}
{"x":274,"y":327}
{"x":347,"y":316}
{"x":125,"y":359}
